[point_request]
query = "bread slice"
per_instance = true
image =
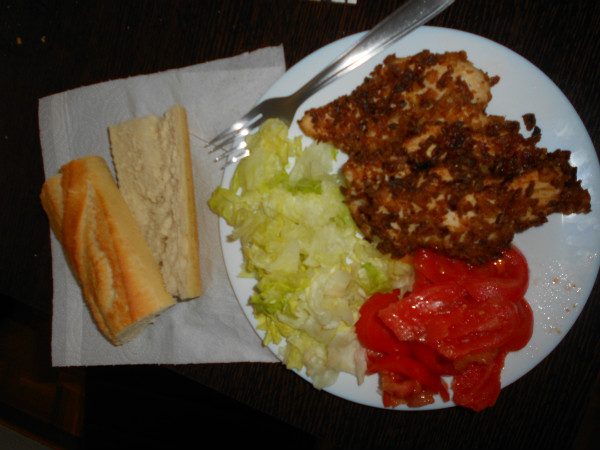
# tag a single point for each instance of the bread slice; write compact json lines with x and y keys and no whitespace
{"x":104,"y":246}
{"x":154,"y":173}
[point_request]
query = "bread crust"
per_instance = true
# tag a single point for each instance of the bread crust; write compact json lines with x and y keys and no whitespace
{"x":119,"y":277}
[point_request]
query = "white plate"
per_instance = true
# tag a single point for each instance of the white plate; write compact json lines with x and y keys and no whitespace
{"x":563,"y":254}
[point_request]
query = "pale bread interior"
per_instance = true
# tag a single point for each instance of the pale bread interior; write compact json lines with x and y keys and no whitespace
{"x":154,"y":172}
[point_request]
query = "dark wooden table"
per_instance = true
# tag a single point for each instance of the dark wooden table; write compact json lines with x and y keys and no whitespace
{"x":51,"y":46}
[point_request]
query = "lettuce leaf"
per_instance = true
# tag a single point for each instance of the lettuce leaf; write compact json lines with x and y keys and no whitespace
{"x":313,"y":268}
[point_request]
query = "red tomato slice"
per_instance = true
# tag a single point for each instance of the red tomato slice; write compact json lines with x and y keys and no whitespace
{"x":490,"y":316}
{"x":421,"y":281}
{"x":486,"y":357}
{"x":524,"y":330}
{"x":507,"y":277}
{"x":411,"y":368}
{"x":478,"y":386}
{"x":370,"y":330}
{"x":459,"y":320}
{"x":434,"y":361}
{"x":398,"y":389}
{"x":475,"y":328}
{"x":410,"y":317}
{"x":456,"y":349}
{"x":438,"y":268}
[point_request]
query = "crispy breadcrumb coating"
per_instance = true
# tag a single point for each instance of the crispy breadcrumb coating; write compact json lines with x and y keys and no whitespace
{"x":428,"y":167}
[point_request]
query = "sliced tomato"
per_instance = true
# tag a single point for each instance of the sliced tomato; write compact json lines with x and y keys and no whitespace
{"x":507,"y":277}
{"x":411,"y":317}
{"x":481,"y":327}
{"x":438,"y":268}
{"x":459,"y":320}
{"x":420,"y":282}
{"x":486,"y":357}
{"x":434,"y":361}
{"x":479,"y":318}
{"x":478,"y":386}
{"x":370,"y":330}
{"x":398,"y":389}
{"x":411,"y":368}
{"x":524,"y":330}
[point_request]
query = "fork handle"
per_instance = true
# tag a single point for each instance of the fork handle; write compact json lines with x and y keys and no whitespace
{"x":402,"y":21}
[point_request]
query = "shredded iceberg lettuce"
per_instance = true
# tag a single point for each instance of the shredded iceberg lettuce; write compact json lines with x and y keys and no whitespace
{"x":313,"y":269}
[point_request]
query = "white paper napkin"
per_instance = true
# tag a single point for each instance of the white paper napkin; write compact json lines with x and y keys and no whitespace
{"x":213,"y":327}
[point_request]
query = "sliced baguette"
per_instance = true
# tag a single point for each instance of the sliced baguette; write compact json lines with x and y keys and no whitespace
{"x":154,"y":172}
{"x":103,"y":244}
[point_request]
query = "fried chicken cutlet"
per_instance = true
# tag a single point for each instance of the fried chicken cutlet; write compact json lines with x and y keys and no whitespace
{"x":398,"y":98}
{"x":428,"y":167}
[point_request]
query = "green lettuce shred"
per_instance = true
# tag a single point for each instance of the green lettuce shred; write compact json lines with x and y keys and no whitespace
{"x":313,"y":269}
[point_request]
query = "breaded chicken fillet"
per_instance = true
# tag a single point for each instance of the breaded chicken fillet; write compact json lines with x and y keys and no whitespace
{"x":429,"y":168}
{"x":399,"y":97}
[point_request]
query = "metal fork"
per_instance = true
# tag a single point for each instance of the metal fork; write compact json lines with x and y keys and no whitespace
{"x":401,"y":22}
